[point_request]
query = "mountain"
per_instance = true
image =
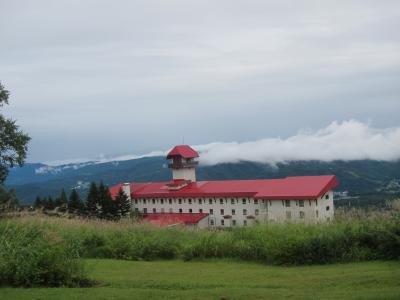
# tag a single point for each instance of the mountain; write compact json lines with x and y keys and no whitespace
{"x":361,"y":182}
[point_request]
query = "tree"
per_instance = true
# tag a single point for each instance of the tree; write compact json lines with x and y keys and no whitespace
{"x":63,"y":201}
{"x":92,"y":200}
{"x":123,"y":203}
{"x":8,"y":200}
{"x":75,"y":203}
{"x":38,"y":202}
{"x":108,"y":206}
{"x":13,"y":142}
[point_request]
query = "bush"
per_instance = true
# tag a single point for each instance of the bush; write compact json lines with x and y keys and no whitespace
{"x":30,"y":256}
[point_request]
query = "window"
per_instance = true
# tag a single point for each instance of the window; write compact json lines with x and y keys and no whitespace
{"x":316,"y":202}
{"x":136,"y":209}
{"x":245,"y":223}
{"x":288,"y":215}
{"x":154,"y":210}
{"x":233,"y":222}
{"x":190,"y":201}
{"x":283,"y":203}
{"x":233,"y":212}
{"x":309,"y":202}
{"x":209,"y":201}
{"x":136,"y":201}
{"x":154,"y":201}
{"x":221,"y":201}
{"x":170,"y":201}
{"x":171,"y":210}
{"x":211,"y":211}
{"x":243,"y":201}
{"x":180,"y":201}
{"x":180,"y":210}
{"x":301,"y":214}
{"x":200,"y":201}
{"x":162,"y":201}
{"x":162,"y":210}
{"x":144,"y":201}
{"x":190,"y":210}
{"x":327,"y":208}
{"x":316,"y":214}
{"x":269,"y":202}
{"x":232,"y":201}
{"x":222,"y":222}
{"x":222,"y":211}
{"x":256,"y":212}
{"x":244,"y":212}
{"x":200,"y":211}
{"x":145,"y":210}
{"x":327,"y":196}
{"x":287,"y":203}
{"x":255,"y":201}
{"x":301,"y":203}
{"x":212,"y":222}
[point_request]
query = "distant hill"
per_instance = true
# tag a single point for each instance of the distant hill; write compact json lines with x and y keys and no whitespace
{"x":366,"y":181}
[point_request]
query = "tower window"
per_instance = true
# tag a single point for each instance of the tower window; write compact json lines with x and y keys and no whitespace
{"x":327,"y":208}
{"x":327,"y":196}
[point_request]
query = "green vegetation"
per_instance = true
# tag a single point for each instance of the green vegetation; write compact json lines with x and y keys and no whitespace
{"x":32,"y":256}
{"x":13,"y":142}
{"x":221,"y":279}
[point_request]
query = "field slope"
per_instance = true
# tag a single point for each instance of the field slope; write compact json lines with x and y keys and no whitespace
{"x":220,"y":279}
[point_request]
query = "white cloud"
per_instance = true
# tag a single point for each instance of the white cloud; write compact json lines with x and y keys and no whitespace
{"x":349,"y":140}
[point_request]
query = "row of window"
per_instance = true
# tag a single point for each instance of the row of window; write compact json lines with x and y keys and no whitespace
{"x":300,"y":203}
{"x":302,"y":214}
{"x":222,"y":222}
{"x":211,"y":211}
{"x":191,"y":201}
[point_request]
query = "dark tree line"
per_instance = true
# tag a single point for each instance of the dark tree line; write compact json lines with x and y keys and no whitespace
{"x":97,"y":204}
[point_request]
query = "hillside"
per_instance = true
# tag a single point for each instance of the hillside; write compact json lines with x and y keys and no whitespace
{"x":366,"y":180}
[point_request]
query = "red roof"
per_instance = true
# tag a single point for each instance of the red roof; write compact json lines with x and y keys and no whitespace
{"x":165,"y":219}
{"x":184,"y":151}
{"x":299,"y":187}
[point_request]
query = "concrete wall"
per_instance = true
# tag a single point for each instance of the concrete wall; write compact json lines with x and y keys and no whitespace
{"x":247,"y":211}
{"x":185,"y":173}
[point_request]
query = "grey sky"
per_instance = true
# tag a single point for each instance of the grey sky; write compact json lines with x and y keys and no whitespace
{"x":92,"y":77}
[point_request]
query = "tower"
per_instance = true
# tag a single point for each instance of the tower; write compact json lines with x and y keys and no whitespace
{"x":183,"y":163}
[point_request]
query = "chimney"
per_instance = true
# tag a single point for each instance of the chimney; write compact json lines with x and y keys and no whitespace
{"x":126,"y":187}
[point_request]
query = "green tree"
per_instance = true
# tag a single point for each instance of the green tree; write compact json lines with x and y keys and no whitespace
{"x":75,"y":204}
{"x":108,"y":206}
{"x":123,"y":204}
{"x":38,"y":202}
{"x":63,"y":200}
{"x":92,"y":200}
{"x":8,"y":200}
{"x":13,"y":142}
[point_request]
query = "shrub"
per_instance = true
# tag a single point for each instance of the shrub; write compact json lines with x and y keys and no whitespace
{"x":30,"y":256}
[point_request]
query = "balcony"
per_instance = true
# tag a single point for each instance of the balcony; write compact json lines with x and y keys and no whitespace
{"x":181,"y":165}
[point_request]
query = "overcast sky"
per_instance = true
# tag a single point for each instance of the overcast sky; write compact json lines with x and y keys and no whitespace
{"x":118,"y":77}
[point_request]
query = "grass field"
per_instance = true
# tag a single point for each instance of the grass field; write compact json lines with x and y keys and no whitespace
{"x":218,"y":279}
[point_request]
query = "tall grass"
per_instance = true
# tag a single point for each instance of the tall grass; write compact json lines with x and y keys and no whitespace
{"x":32,"y":256}
{"x":345,"y":240}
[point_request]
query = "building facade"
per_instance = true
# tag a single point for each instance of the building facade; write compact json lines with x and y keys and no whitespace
{"x":229,"y":203}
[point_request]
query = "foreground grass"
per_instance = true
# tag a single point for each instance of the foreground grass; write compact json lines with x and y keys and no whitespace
{"x":216,"y":279}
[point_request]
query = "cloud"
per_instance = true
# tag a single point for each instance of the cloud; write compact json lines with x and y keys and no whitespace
{"x":348,"y":140}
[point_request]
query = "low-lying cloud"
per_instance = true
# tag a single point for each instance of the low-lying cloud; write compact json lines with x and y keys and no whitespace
{"x":349,"y":140}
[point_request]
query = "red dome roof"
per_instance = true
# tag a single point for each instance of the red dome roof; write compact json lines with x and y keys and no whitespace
{"x":184,"y":151}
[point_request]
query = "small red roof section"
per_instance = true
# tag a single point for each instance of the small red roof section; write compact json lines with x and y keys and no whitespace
{"x":168,"y":219}
{"x":184,"y":151}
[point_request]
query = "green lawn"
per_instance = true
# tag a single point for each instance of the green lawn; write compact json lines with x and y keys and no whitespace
{"x":231,"y":280}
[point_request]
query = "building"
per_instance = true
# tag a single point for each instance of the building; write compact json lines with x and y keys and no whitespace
{"x":228,"y":203}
